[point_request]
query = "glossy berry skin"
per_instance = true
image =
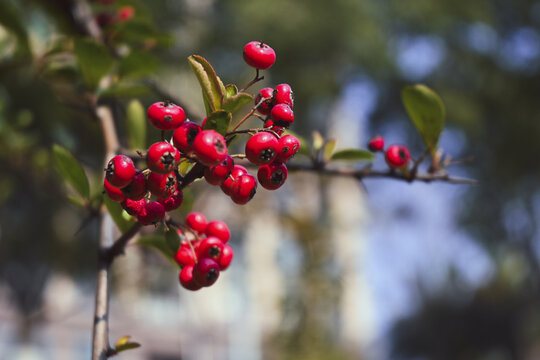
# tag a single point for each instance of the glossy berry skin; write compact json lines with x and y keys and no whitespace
{"x":114,"y":193}
{"x":185,"y":256}
{"x":162,"y":157}
{"x":288,"y":145}
{"x":210,"y":248}
{"x":206,"y":272}
{"x":184,"y":136}
{"x":376,"y":144}
{"x":196,"y":221}
{"x":283,"y":94}
{"x":272,"y":176}
{"x":218,"y":229}
{"x":261,"y":148}
{"x":237,"y":171}
{"x":226,"y":257}
{"x":210,"y":147}
{"x":282,"y":115}
{"x":120,"y":171}
{"x":151,"y":213}
{"x":136,"y":189}
{"x":172,"y":202}
{"x":133,"y":207}
{"x":166,"y":115}
{"x":215,"y":175}
{"x":243,"y":189}
{"x":397,"y":156}
{"x":186,"y":279}
{"x":162,"y":186}
{"x":259,"y":55}
{"x":266,"y":105}
{"x":277,"y":129}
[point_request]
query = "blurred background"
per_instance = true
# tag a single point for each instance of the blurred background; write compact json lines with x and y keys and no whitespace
{"x":324,"y":268}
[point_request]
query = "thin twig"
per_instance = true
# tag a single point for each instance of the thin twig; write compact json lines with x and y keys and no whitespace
{"x":253,"y":81}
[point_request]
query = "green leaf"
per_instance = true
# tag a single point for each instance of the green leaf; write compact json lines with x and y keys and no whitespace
{"x":71,"y":170}
{"x":136,"y":125}
{"x":116,"y":212}
{"x":219,"y":121}
{"x":124,"y":344}
{"x":211,"y":85}
{"x":328,"y":149}
{"x":76,"y":200}
{"x":236,"y":102}
{"x":137,"y":64}
{"x":94,"y":60}
{"x":426,"y":110}
{"x":159,"y":243}
{"x":318,"y":141}
{"x":231,"y":90}
{"x":353,"y":155}
{"x":173,"y":240}
{"x":185,"y":167}
{"x":11,"y":20}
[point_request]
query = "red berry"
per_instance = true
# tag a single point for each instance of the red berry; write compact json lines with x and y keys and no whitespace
{"x":136,"y":189}
{"x":210,"y":248}
{"x":376,"y":144}
{"x":226,"y":257}
{"x":162,"y":157}
{"x":397,"y":156}
{"x":125,"y":13}
{"x":288,"y":145}
{"x":162,"y":186}
{"x":277,"y":129}
{"x":210,"y":147}
{"x":120,"y":171}
{"x":272,"y":176}
{"x":266,"y":105}
{"x":196,"y":221}
{"x":243,"y":189}
{"x":151,"y":213}
{"x":261,"y":148}
{"x":218,"y":229}
{"x":206,"y":272}
{"x":282,"y":115}
{"x":187,"y":280}
{"x":185,"y":256}
{"x":215,"y":175}
{"x":184,"y":136}
{"x":203,"y":122}
{"x":237,"y":171}
{"x":284,"y":95}
{"x":133,"y":207}
{"x":172,"y":202}
{"x":114,"y":193}
{"x":259,"y":55}
{"x":166,"y":115}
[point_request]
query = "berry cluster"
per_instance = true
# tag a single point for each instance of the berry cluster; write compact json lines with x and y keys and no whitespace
{"x":396,"y":156}
{"x":203,"y":251}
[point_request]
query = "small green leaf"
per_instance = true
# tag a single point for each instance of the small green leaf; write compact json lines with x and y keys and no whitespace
{"x":231,"y":90}
{"x":318,"y":141}
{"x":219,"y":121}
{"x":137,"y":64}
{"x":116,"y":210}
{"x":184,"y":167}
{"x":236,"y":102}
{"x":329,"y":149}
{"x":76,"y":200}
{"x":159,"y":243}
{"x":136,"y":125}
{"x":353,"y":155}
{"x":71,"y":170}
{"x":211,"y":85}
{"x":124,"y":344}
{"x":426,"y":110}
{"x":94,"y":60}
{"x":173,"y":240}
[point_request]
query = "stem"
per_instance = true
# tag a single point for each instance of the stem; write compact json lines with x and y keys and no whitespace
{"x":249,"y":114}
{"x":253,"y":81}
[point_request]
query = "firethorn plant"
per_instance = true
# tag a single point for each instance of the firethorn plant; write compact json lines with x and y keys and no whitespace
{"x":144,"y":186}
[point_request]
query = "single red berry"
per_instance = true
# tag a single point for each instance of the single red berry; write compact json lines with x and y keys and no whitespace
{"x":184,"y":136}
{"x":267,"y":104}
{"x":288,"y":145}
{"x":269,"y":123}
{"x":162,"y":186}
{"x":272,"y":176}
{"x":162,"y":157}
{"x":210,"y":248}
{"x":218,"y":229}
{"x":151,"y":213}
{"x":125,"y":13}
{"x":133,"y":207}
{"x":165,"y":115}
{"x":284,"y":95}
{"x":187,"y":280}
{"x":376,"y":144}
{"x":243,"y":189}
{"x":120,"y":171}
{"x":261,"y":148}
{"x":185,"y":256}
{"x":282,"y":115}
{"x":196,"y":221}
{"x":114,"y":193}
{"x":259,"y":55}
{"x":172,"y":202}
{"x":237,"y":171}
{"x":226,"y":257}
{"x":136,"y":189}
{"x":210,"y":147}
{"x":206,"y":272}
{"x":215,"y":175}
{"x":397,"y":156}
